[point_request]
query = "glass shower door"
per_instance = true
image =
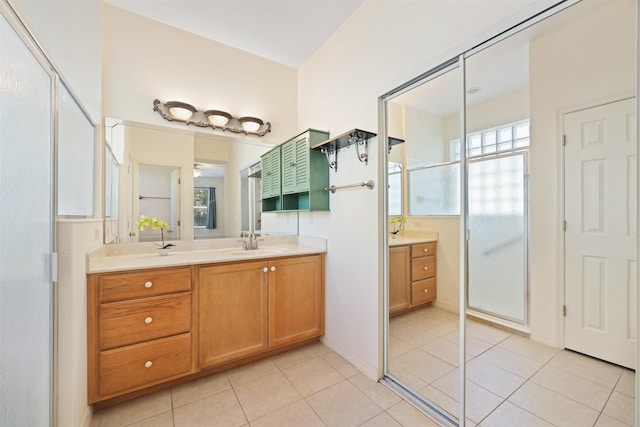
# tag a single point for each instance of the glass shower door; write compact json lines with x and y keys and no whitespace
{"x":498,"y":236}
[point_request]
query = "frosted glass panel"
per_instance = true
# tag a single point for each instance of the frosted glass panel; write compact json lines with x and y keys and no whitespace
{"x":75,"y":158}
{"x":497,"y":236}
{"x":435,"y":190}
{"x":25,"y":247}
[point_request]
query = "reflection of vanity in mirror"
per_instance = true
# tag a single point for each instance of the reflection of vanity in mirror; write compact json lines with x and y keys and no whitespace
{"x":531,"y":289}
{"x":204,"y":185}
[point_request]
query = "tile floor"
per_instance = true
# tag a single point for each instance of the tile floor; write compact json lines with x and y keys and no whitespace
{"x":511,"y":381}
{"x":309,"y":386}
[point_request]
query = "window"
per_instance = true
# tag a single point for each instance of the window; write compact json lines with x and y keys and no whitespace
{"x":204,"y":207}
{"x":395,"y":189}
{"x":496,"y":140}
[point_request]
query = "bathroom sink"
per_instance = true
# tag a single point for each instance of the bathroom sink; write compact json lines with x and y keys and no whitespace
{"x":254,"y":252}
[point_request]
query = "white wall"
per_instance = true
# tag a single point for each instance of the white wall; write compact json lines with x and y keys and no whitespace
{"x":606,"y":66}
{"x":144,"y":60}
{"x":382,"y":44}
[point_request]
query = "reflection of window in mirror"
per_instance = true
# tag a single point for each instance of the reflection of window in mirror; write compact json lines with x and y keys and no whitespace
{"x":204,"y":208}
{"x":395,"y":189}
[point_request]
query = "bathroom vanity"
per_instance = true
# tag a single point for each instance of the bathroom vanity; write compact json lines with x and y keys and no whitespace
{"x":412,"y":273}
{"x":155,"y":321}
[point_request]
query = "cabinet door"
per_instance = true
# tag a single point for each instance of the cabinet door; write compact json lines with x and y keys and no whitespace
{"x":265,"y":180}
{"x":270,"y":164}
{"x":288,"y":167}
{"x":301,"y":146}
{"x":399,"y":282}
{"x":296,"y":299}
{"x":233,"y":311}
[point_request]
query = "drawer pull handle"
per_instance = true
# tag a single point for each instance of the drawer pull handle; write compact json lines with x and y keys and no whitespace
{"x":426,"y":291}
{"x":148,"y":285}
{"x":426,"y":249}
{"x":148,"y":364}
{"x":273,"y":268}
{"x":426,"y":268}
{"x":148,"y":320}
{"x":265,"y":269}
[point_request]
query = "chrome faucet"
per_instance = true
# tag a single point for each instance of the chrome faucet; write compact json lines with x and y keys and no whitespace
{"x":251,"y":244}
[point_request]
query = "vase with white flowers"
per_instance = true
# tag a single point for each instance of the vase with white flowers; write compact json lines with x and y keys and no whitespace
{"x":155,"y":223}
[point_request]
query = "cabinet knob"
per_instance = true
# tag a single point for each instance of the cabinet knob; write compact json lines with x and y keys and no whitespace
{"x":426,"y":291}
{"x":426,"y":249}
{"x":148,"y":285}
{"x":148,"y":364}
{"x":265,"y":269}
{"x":426,"y":268}
{"x":273,"y":268}
{"x":148,"y":320}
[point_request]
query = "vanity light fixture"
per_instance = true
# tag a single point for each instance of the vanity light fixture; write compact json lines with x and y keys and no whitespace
{"x":215,"y":119}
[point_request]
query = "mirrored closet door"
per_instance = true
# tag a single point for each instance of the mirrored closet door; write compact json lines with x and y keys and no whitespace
{"x":544,"y":275}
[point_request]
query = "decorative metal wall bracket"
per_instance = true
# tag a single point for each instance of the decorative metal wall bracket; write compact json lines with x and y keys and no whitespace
{"x":394,"y":141}
{"x":214,"y":119}
{"x":331,"y":147}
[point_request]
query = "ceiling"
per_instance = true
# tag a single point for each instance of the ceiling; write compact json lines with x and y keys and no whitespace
{"x":284,"y":31}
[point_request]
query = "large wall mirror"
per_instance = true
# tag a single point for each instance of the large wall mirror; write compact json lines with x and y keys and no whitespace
{"x":203,"y":185}
{"x":549,"y":201}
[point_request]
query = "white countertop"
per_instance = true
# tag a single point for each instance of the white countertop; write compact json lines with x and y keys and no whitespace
{"x":133,"y":256}
{"x":409,"y":238}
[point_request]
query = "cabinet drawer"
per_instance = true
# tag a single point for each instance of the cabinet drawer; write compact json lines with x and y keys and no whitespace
{"x":423,"y":291}
{"x":129,"y":368}
{"x":423,"y":268}
{"x":423,"y":249}
{"x":119,"y":287}
{"x":129,"y":322}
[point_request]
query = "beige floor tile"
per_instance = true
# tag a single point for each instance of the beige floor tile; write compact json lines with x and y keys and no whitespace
{"x":297,"y":414}
{"x":398,"y":347}
{"x":380,"y":394}
{"x":576,"y":388}
{"x":162,"y":420}
{"x":198,"y":389}
{"x":508,"y":414}
{"x":441,"y":400}
{"x":319,"y":349}
{"x":423,"y":365}
{"x":312,"y":376}
{"x":409,"y":416}
{"x":594,"y":370}
{"x":449,"y":384}
{"x":439,"y":313}
{"x":437,"y":327}
{"x":515,"y":363}
{"x":343,"y":405}
{"x":382,"y":420}
{"x":493,"y":378}
{"x":486,"y":333}
{"x":621,"y":407}
{"x":338,"y":363}
{"x":443,"y":350}
{"x":479,"y":402}
{"x":531,"y":349}
{"x":475,"y":346}
{"x":406,"y":377}
{"x":96,"y":416}
{"x":265,"y":395}
{"x":252,"y":371}
{"x":294,"y":357}
{"x":414,"y":335}
{"x":136,"y":410}
{"x":627,"y":383}
{"x":222,"y":408}
{"x":553,"y":407}
{"x":607,"y":421}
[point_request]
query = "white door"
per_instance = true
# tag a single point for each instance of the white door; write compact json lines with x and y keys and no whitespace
{"x":174,"y":220}
{"x":600,"y":238}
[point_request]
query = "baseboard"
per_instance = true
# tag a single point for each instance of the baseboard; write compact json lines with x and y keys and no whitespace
{"x":88,"y":416}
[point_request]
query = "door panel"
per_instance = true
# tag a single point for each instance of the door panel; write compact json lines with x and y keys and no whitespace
{"x":600,"y":239}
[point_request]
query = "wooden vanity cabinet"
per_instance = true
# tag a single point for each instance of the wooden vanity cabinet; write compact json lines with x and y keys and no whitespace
{"x":399,"y":278}
{"x":252,"y":307}
{"x":233,"y":311}
{"x":412,"y":276}
{"x":139,"y":330}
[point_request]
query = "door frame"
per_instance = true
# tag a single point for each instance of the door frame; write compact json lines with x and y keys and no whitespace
{"x":562,"y":266}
